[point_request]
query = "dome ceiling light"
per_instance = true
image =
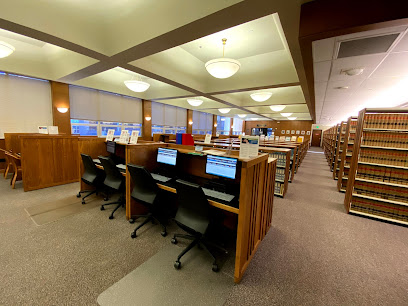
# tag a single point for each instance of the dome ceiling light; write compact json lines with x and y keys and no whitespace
{"x":195,"y":102}
{"x":242,"y":116}
{"x":277,"y":108}
{"x":261,"y":96}
{"x":224,"y":110}
{"x":222,"y":68}
{"x":137,"y":86}
{"x":292,"y":118}
{"x":352,"y":71}
{"x":5,"y":49}
{"x":286,"y":114}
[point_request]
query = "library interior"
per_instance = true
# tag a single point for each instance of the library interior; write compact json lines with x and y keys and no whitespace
{"x":189,"y":152}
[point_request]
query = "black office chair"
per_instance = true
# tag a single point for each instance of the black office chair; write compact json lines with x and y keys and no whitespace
{"x":145,"y":191}
{"x":193,"y":216}
{"x":115,"y":181}
{"x":92,"y":176}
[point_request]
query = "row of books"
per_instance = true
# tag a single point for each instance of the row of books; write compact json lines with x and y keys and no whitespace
{"x":384,"y":157}
{"x":385,"y":139}
{"x":381,"y":209}
{"x":386,"y":121}
{"x":278,"y":188}
{"x":383,"y":174}
{"x":280,"y":174}
{"x":281,"y":158}
{"x":381,"y":191}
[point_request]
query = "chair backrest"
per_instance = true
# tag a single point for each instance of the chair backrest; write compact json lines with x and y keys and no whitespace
{"x":145,"y":188}
{"x":114,"y":179}
{"x":91,"y":174}
{"x":193,"y":206}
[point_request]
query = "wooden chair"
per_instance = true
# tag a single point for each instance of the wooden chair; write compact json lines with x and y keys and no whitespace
{"x":16,"y":164}
{"x":8,"y":163}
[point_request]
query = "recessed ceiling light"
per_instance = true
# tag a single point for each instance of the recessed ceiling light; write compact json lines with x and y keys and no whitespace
{"x":286,"y":114}
{"x":5,"y":49}
{"x":352,"y":71}
{"x":261,"y":96}
{"x":242,"y":115}
{"x":137,"y":86}
{"x":224,"y":110}
{"x":277,"y":108}
{"x":194,"y":102}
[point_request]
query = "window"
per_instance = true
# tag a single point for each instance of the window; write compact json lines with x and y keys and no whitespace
{"x":130,"y":127}
{"x":100,"y":128}
{"x":202,"y":123}
{"x":223,"y":125}
{"x":237,"y":126}
{"x":84,"y":127}
{"x":168,"y":119}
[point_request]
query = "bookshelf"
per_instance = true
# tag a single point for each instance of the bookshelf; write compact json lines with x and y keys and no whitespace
{"x":347,"y":153}
{"x":378,"y":177}
{"x":328,"y":143}
{"x":339,"y":149}
{"x":282,"y":156}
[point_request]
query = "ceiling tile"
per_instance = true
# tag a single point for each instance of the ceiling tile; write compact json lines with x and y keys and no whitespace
{"x":323,"y":50}
{"x":396,"y":64}
{"x":402,"y":45}
{"x":321,"y":71}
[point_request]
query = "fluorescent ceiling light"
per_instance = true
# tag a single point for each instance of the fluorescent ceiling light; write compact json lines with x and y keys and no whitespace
{"x":222,"y":68}
{"x":292,"y":118}
{"x":242,"y":115}
{"x":277,"y":108}
{"x":5,"y":49}
{"x":195,"y":102}
{"x":261,"y":96}
{"x":137,"y":86}
{"x":224,"y":110}
{"x":286,"y":114}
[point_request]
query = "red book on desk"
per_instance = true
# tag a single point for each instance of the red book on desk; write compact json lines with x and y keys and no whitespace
{"x":188,"y":140}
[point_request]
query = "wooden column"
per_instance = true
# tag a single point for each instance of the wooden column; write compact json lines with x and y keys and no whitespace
{"x":147,"y":124}
{"x":231,"y":126}
{"x":214,"y":127}
{"x":60,"y":98}
{"x":243,"y":126}
{"x":189,"y":119}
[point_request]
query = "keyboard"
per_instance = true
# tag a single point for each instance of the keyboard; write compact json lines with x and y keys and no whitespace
{"x":218,"y":195}
{"x":160,"y":178}
{"x":121,"y":167}
{"x":96,"y":161}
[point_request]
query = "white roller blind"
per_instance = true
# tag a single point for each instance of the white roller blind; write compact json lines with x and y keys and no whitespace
{"x":170,"y":115}
{"x":203,"y":121}
{"x":209,"y":123}
{"x":181,"y":116}
{"x":25,"y":104}
{"x":91,"y":104}
{"x":163,"y":114}
{"x":157,"y":113}
{"x":237,"y":125}
{"x":196,"y":120}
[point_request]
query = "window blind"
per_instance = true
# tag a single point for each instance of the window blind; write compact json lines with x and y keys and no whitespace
{"x":25,"y":104}
{"x":237,"y":125}
{"x":163,"y":114}
{"x":202,"y":121}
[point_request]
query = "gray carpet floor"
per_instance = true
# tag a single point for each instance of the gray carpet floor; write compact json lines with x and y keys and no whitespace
{"x":314,"y":254}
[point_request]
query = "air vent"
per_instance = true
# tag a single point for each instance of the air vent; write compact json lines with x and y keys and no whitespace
{"x":364,"y":46}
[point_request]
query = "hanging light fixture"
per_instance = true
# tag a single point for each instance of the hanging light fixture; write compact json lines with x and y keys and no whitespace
{"x":222,"y":68}
{"x":242,"y":116}
{"x":286,"y":114}
{"x":5,"y":49}
{"x":277,"y":108}
{"x":137,"y":86}
{"x":292,"y":118}
{"x":224,"y":110}
{"x":261,"y":96}
{"x":194,"y":102}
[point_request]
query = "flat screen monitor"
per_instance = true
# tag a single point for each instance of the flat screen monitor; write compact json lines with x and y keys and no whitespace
{"x":110,"y":147}
{"x":221,"y":166}
{"x":167,"y":156}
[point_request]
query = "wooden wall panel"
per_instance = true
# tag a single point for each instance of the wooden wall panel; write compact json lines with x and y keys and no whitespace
{"x":13,"y":142}
{"x":49,"y":161}
{"x":60,"y":98}
{"x":189,"y":119}
{"x":296,"y":125}
{"x":214,"y":127}
{"x":147,"y":124}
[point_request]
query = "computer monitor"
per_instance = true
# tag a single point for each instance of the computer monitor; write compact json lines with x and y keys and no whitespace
{"x":111,"y":147}
{"x":221,"y":166}
{"x":167,"y":156}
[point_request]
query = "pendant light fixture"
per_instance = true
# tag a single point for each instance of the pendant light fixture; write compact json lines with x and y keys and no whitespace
{"x":224,"y":110}
{"x":222,"y":68}
{"x":195,"y":102}
{"x":292,"y":118}
{"x":242,"y":116}
{"x":5,"y":49}
{"x":137,"y":86}
{"x":277,"y":108}
{"x":286,"y":114}
{"x":261,"y":96}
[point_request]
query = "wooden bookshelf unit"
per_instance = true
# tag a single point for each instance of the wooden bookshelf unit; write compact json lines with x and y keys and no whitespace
{"x":347,"y":153}
{"x":339,"y":149}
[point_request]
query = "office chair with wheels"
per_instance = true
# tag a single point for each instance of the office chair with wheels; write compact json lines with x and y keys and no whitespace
{"x":193,"y":216}
{"x":115,"y":181}
{"x":145,"y":191}
{"x":92,"y":176}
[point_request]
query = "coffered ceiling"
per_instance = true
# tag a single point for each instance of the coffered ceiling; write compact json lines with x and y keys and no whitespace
{"x":100,"y":44}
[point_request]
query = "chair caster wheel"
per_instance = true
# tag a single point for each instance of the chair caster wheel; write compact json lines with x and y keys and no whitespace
{"x":215,"y":268}
{"x":164,"y":234}
{"x":131,"y":221}
{"x":102,"y":208}
{"x":78,"y":195}
{"x":111,"y":217}
{"x":83,"y":202}
{"x":133,"y":235}
{"x":177,"y":265}
{"x":174,"y":241}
